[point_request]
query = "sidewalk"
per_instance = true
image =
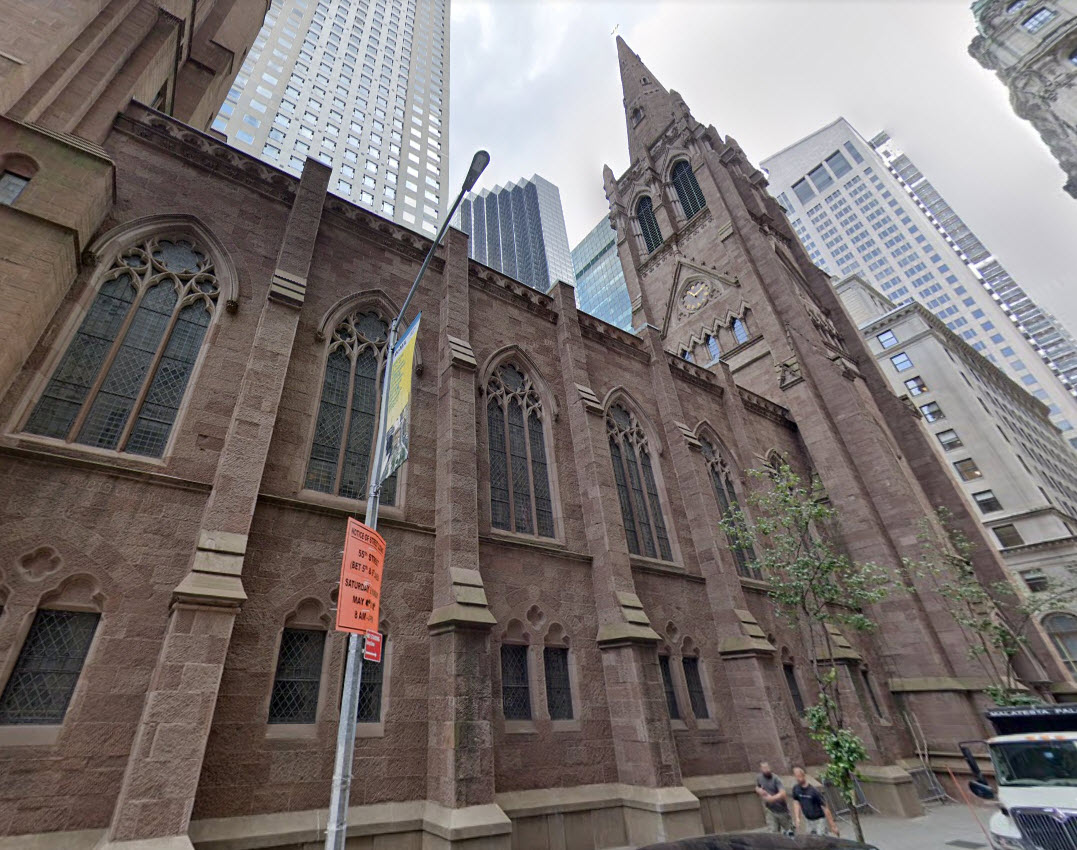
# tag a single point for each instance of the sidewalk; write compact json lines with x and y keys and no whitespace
{"x":942,"y":828}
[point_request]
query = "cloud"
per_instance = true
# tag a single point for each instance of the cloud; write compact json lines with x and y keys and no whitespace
{"x":537,"y":84}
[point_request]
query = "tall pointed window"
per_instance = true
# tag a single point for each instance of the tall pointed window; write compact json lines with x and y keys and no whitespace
{"x":691,"y":196}
{"x":740,"y":331}
{"x":713,"y":349}
{"x":648,"y":224}
{"x":519,"y":479}
{"x":123,"y":377}
{"x":722,"y":479}
{"x":347,"y":417}
{"x":667,"y":687}
{"x":641,"y":509}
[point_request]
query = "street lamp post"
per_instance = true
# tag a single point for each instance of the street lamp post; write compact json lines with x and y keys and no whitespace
{"x":337,"y":827}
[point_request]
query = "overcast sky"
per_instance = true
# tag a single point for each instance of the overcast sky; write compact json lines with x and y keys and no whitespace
{"x":536,"y":84}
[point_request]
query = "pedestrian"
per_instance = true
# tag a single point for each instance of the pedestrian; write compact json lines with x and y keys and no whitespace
{"x":775,"y":806}
{"x":808,"y":800}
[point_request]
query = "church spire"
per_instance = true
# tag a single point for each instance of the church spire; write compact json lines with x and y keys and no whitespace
{"x":648,"y":106}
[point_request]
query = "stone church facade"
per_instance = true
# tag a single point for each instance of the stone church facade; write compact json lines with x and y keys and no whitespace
{"x":575,"y":656}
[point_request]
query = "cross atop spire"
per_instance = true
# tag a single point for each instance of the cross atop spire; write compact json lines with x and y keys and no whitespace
{"x":648,"y":106}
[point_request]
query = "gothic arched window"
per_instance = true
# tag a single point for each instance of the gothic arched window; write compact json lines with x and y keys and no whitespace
{"x":648,"y":224}
{"x":713,"y":349}
{"x":123,"y":377}
{"x":722,"y":479}
{"x":519,"y":479}
{"x":740,"y":331}
{"x":347,"y":416}
{"x":641,"y":508}
{"x":1063,"y":631}
{"x":691,"y":196}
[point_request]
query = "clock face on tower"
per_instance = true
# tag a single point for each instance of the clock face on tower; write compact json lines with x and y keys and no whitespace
{"x":696,"y":295}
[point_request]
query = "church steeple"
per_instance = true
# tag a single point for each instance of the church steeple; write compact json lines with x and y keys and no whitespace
{"x":649,"y":108}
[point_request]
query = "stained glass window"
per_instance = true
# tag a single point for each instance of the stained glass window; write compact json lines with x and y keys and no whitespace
{"x":722,"y":479}
{"x":519,"y":479}
{"x":558,"y":689}
{"x":515,"y":687}
{"x":298,"y":678}
{"x":637,"y":490}
{"x":691,"y":196}
{"x":740,"y":331}
{"x":694,"y":680}
{"x":370,"y":683}
{"x":648,"y":224}
{"x":347,"y":416}
{"x":793,"y":685}
{"x":123,"y":377}
{"x":48,"y":667}
{"x":667,"y":686}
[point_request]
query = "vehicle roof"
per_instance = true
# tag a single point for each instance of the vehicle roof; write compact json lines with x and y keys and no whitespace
{"x":1034,"y":736}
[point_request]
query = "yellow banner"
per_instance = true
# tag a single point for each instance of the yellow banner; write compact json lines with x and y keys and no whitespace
{"x":399,"y":417}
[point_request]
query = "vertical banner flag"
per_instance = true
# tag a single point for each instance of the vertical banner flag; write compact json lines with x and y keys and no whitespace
{"x":359,"y":597}
{"x":395,"y":449}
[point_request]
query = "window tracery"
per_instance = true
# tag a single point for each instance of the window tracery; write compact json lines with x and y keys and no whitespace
{"x":123,"y":377}
{"x":648,"y":224}
{"x":347,"y":414}
{"x":520,"y":498}
{"x":641,"y":507}
{"x":688,"y":191}
{"x":722,"y":479}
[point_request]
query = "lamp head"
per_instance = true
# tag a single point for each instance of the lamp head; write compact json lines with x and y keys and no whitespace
{"x":478,"y":165}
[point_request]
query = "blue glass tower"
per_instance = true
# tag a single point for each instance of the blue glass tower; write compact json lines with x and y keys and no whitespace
{"x":600,"y":281}
{"x":519,"y":229}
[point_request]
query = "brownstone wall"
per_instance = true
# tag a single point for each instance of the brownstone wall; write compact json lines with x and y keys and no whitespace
{"x":132,"y":527}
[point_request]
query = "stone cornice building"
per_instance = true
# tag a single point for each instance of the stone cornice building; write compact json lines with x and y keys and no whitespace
{"x":575,"y":656}
{"x":1032,"y":47}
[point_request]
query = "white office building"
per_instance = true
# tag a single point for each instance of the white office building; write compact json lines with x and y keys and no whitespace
{"x":361,"y":85}
{"x":996,"y":441}
{"x":856,"y":214}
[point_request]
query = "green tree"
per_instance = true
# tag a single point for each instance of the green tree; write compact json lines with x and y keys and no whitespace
{"x":995,"y":618}
{"x":819,"y":592}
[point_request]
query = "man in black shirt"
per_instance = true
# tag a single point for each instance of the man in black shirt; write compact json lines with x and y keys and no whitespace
{"x":808,"y":800}
{"x":769,"y":788}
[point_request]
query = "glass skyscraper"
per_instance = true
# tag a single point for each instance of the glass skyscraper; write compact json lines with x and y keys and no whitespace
{"x":600,"y":281}
{"x":519,"y":229}
{"x":855,"y":212}
{"x":361,"y":85}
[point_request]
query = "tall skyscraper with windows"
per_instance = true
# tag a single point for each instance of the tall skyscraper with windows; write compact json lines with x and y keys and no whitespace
{"x":859,"y":210}
{"x":361,"y":85}
{"x":519,"y":229}
{"x":600,"y":281}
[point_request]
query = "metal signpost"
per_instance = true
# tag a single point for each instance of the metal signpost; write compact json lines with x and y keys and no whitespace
{"x":337,"y":827}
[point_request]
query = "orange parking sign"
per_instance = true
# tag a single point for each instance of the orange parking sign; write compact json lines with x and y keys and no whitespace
{"x":359,"y":598}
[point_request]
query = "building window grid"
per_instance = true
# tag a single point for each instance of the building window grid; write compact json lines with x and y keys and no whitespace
{"x":697,"y":696}
{"x":298,"y":677}
{"x":48,"y":667}
{"x":515,"y":684}
{"x":121,"y":381}
{"x":641,"y":508}
{"x":344,"y":428}
{"x":520,"y":497}
{"x":667,"y":687}
{"x":558,"y":686}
